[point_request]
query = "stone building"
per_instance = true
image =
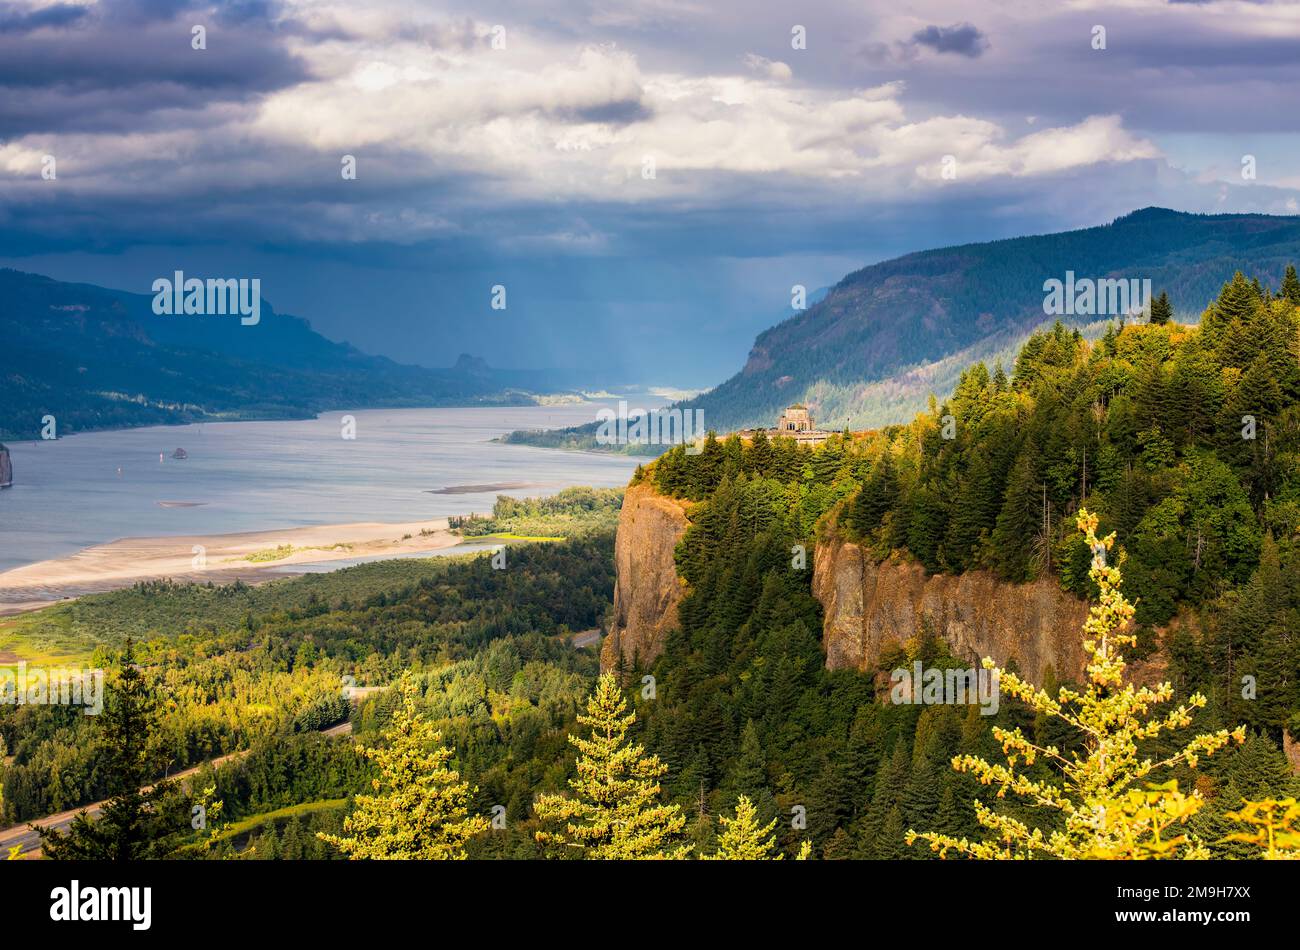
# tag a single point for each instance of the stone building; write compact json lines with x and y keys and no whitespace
{"x":796,"y":418}
{"x":795,"y":423}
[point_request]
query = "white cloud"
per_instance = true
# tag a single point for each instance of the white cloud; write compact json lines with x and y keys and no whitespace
{"x":771,"y":69}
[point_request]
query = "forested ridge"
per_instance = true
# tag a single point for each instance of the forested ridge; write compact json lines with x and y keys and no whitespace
{"x":96,"y":358}
{"x":890,"y":333}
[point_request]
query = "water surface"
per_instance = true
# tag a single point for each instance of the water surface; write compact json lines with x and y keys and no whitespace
{"x":96,"y":487}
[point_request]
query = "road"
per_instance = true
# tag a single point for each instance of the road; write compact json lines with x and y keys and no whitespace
{"x":585,"y":638}
{"x":30,"y":842}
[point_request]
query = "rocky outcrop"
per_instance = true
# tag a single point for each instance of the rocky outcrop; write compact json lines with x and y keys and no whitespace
{"x":647,"y":589}
{"x":869,"y":604}
{"x":1291,"y":748}
{"x":6,"y":468}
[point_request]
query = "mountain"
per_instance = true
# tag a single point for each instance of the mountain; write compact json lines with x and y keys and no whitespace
{"x":98,"y":358}
{"x":885,"y":337}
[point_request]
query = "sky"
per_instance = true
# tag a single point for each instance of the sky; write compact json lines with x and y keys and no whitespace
{"x":646,"y":180}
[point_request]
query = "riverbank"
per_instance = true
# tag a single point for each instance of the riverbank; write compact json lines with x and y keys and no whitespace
{"x":250,"y":556}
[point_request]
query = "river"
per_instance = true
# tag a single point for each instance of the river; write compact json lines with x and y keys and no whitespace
{"x":95,"y":487}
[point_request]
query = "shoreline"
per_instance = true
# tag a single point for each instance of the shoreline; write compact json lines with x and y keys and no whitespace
{"x":224,"y":558}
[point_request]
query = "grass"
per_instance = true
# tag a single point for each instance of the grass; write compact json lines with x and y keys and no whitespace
{"x":51,"y":642}
{"x":253,"y":822}
{"x":508,"y":536}
{"x":69,"y":632}
{"x":282,"y":551}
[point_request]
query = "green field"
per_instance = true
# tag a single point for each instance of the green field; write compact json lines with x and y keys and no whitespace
{"x":71,"y":632}
{"x":253,"y":822}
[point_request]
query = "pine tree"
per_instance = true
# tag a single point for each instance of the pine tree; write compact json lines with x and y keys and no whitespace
{"x":1237,"y":304}
{"x":1101,"y":812}
{"x":1000,"y":382}
{"x":758,"y":455}
{"x":749,"y":773}
{"x":1021,"y":519}
{"x":134,"y":824}
{"x":421,"y":809}
{"x":1162,"y":310}
{"x":614,"y":812}
{"x":1290,"y":286}
{"x":743,"y":838}
{"x":891,"y":781}
{"x":1274,"y":827}
{"x":876,"y":497}
{"x":975,"y":512}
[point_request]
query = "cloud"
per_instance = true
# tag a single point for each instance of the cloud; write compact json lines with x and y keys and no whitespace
{"x":116,"y":65}
{"x":453,"y":137}
{"x":56,"y":15}
{"x":960,"y":38}
{"x":771,"y":69}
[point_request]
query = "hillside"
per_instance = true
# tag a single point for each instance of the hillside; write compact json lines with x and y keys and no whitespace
{"x":872,"y":349}
{"x":887,"y":336}
{"x":97,"y":358}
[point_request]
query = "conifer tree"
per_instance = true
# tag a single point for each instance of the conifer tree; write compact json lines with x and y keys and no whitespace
{"x":749,"y":773}
{"x":743,"y":838}
{"x":1237,"y":303}
{"x":1161,"y":310}
{"x":421,"y":807}
{"x":1000,"y":382}
{"x":134,"y":823}
{"x":1097,"y":808}
{"x":1274,"y":826}
{"x":976,"y":510}
{"x":876,"y":497}
{"x":1021,"y":518}
{"x":1290,"y":286}
{"x":614,"y":812}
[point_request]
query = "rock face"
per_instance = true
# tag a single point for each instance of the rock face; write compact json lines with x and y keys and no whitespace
{"x":869,"y":604}
{"x":6,"y":468}
{"x":1292,"y":750}
{"x":647,"y":589}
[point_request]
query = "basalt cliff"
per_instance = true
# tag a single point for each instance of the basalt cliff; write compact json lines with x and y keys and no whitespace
{"x":867,"y":604}
{"x":647,"y":589}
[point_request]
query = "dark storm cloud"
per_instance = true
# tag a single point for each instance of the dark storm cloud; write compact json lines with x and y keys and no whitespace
{"x":54,"y":16}
{"x":622,"y":112}
{"x":117,"y":62}
{"x":960,"y":38}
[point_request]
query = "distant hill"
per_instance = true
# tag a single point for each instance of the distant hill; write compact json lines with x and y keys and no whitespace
{"x":97,"y":358}
{"x":888,"y":335}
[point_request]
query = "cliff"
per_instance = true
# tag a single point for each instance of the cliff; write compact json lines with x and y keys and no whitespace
{"x":6,"y":468}
{"x":869,"y":604}
{"x":647,"y":589}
